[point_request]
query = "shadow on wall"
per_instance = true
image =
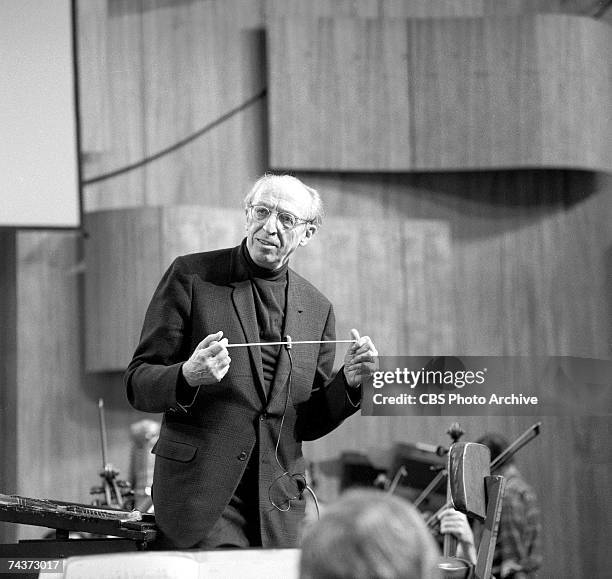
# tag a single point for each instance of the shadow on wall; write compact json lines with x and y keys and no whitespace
{"x":476,"y":203}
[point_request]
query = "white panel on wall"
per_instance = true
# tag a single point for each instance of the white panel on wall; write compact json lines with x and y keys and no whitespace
{"x":38,"y":148}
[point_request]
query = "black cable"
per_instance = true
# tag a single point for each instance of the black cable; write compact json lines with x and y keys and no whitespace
{"x":283,"y":469}
{"x":280,"y":430}
{"x":178,"y":144}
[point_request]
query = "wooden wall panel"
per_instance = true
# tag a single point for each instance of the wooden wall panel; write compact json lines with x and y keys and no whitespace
{"x":355,"y":73}
{"x":322,"y":8}
{"x":94,"y":95}
{"x":193,"y":228}
{"x":201,"y":62}
{"x":47,"y":285}
{"x":441,"y":94}
{"x":52,"y":443}
{"x":123,"y":266}
{"x":472,"y":105}
{"x":574,"y":57}
{"x":8,"y":371}
{"x":475,"y":8}
{"x":112,"y":124}
{"x":589,"y":440}
{"x":433,"y":8}
{"x":167,"y":71}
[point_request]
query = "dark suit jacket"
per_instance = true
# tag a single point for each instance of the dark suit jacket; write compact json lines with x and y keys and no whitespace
{"x":205,"y":445}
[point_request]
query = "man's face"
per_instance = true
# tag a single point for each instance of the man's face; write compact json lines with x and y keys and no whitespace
{"x":269,"y":245}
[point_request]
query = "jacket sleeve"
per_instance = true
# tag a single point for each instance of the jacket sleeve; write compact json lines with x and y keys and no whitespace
{"x":154,"y":373}
{"x":331,"y":400}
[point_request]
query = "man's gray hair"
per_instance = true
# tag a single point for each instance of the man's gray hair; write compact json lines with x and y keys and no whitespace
{"x":273,"y":181}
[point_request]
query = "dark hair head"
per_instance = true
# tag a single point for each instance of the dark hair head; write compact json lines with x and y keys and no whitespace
{"x":496,"y":443}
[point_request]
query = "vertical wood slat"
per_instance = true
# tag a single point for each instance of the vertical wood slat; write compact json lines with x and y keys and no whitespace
{"x":201,"y":62}
{"x":574,"y":58}
{"x":123,"y":266}
{"x":475,"y":93}
{"x":117,"y":114}
{"x":352,"y":90}
{"x":8,"y":371}
{"x":322,"y":8}
{"x":432,"y":8}
{"x":53,"y":444}
{"x":92,"y":42}
{"x":190,"y":229}
{"x":440,"y":94}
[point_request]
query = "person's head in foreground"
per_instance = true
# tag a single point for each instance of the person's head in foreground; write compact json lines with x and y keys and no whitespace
{"x":369,"y":534}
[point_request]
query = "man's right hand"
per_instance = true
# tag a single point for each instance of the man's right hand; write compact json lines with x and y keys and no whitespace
{"x":209,"y":362}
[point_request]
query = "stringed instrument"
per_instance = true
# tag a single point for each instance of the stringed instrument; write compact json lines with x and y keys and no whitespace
{"x":469,"y":465}
{"x":451,"y":566}
{"x":113,"y":492}
{"x":496,"y":464}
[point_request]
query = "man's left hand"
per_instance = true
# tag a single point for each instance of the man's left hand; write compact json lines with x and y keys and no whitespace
{"x":360,"y":359}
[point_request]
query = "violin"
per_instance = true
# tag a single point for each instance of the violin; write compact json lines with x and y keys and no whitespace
{"x":496,"y":464}
{"x":451,"y":566}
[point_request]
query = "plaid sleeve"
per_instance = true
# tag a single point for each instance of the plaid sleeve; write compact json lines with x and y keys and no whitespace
{"x":518,"y":543}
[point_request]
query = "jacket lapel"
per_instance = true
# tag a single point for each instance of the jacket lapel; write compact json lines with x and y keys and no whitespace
{"x":242,"y":297}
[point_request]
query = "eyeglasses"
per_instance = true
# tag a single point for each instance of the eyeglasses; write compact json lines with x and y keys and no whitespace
{"x":286,"y":488}
{"x":284,"y":219}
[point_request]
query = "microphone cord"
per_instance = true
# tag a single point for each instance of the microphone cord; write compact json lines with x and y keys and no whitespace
{"x":306,"y":487}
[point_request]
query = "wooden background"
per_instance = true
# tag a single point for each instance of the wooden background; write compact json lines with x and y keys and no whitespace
{"x":502,"y":262}
{"x":519,"y":91}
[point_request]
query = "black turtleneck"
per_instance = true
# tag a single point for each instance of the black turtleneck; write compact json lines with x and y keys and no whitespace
{"x":269,"y":295}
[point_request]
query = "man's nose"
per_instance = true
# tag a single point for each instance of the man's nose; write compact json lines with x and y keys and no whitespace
{"x":271,"y":224}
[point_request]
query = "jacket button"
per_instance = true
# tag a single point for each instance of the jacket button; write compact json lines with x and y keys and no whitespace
{"x":263,"y":416}
{"x":242,"y":456}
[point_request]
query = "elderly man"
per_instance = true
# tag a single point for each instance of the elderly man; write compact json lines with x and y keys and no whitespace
{"x":229,"y":469}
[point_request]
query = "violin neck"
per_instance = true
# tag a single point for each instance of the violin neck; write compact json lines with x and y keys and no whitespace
{"x":450,"y":545}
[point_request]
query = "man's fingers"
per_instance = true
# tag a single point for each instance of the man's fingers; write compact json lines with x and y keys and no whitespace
{"x":358,"y":341}
{"x":364,"y":346}
{"x":215,"y":348}
{"x":364,"y":357}
{"x":208,"y":340}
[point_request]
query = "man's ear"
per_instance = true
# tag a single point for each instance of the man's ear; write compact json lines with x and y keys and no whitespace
{"x":311,"y":229}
